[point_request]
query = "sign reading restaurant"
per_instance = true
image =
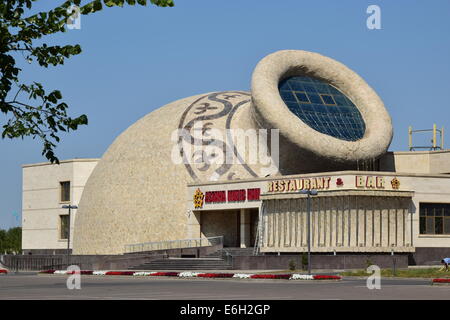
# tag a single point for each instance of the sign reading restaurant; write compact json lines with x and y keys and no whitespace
{"x":299,"y":184}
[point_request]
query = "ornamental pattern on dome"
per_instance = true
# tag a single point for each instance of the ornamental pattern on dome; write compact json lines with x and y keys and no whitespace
{"x":322,"y":107}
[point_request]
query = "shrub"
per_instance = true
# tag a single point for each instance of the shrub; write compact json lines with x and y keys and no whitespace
{"x":270,"y":276}
{"x":304,"y":261}
{"x":165,"y":274}
{"x":120,"y":273}
{"x":215,"y":275}
{"x":368,"y":263}
{"x":292,"y":265}
{"x":324,"y":277}
{"x":51,"y":271}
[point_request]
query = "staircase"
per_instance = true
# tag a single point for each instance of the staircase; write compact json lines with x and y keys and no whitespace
{"x":238,"y":251}
{"x":184,"y":264}
{"x":212,"y":261}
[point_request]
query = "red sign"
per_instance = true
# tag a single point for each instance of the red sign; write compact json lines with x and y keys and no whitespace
{"x":253,"y":194}
{"x":215,"y":196}
{"x":236,"y":195}
{"x":240,"y":195}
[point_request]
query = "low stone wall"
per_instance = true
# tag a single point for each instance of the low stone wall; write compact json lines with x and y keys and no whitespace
{"x":428,"y":256}
{"x":45,"y":251}
{"x":86,"y":262}
{"x":422,"y":256}
{"x":36,"y":262}
{"x":340,"y":261}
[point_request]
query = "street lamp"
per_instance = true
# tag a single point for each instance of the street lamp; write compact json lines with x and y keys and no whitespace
{"x":309,"y":193}
{"x":68,"y":232}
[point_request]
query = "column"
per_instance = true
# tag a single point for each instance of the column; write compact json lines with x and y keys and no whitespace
{"x":245,"y":228}
{"x":385,"y":227}
{"x":194,"y":225}
{"x":377,"y":222}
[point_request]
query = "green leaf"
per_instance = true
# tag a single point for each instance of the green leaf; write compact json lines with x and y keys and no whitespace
{"x":27,"y":109}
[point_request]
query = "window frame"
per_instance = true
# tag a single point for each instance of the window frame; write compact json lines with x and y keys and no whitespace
{"x":328,"y":95}
{"x":304,"y":93}
{"x":427,"y":222}
{"x":61,"y":191}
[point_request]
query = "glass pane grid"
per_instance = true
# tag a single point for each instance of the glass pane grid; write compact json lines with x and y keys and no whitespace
{"x":434,"y":218}
{"x":322,"y":107}
{"x":65,"y":191}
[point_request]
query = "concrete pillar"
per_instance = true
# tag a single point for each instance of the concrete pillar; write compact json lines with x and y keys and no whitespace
{"x":245,"y":229}
{"x":193,"y":225}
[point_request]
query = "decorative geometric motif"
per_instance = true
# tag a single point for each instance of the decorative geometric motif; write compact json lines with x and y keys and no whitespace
{"x":210,"y":111}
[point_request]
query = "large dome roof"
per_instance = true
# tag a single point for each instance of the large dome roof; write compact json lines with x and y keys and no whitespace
{"x":137,"y":193}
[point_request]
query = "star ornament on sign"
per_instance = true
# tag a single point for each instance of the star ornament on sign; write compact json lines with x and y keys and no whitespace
{"x":395,"y":183}
{"x":198,"y":199}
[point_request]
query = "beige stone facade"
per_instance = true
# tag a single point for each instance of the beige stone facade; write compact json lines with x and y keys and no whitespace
{"x":340,"y":222}
{"x":42,"y":203}
{"x":417,"y":162}
{"x":354,"y":211}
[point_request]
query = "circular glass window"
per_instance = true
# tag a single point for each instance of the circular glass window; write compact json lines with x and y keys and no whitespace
{"x":322,"y":107}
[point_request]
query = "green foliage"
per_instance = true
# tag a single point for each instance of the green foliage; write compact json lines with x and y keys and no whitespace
{"x":41,"y":113}
{"x":11,"y":240}
{"x":304,"y":260}
{"x":368,"y":263}
{"x":403,"y":273}
{"x":292,"y":265}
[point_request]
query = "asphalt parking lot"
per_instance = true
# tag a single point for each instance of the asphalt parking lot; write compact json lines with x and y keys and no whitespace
{"x":49,"y":287}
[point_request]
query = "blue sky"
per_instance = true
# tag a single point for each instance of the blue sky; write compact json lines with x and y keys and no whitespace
{"x":136,"y":59}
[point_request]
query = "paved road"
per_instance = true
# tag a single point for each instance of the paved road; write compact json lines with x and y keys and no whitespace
{"x":97,"y":287}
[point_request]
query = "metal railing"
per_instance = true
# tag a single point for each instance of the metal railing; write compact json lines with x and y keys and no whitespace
{"x":174,"y":244}
{"x":32,"y":263}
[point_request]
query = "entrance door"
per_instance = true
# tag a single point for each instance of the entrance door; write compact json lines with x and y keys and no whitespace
{"x":221,"y":223}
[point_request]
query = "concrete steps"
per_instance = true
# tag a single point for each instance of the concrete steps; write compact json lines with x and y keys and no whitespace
{"x":184,"y":264}
{"x":239,"y":251}
{"x":212,"y":261}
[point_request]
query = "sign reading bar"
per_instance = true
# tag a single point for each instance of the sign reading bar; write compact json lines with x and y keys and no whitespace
{"x":293,"y":185}
{"x":370,"y":182}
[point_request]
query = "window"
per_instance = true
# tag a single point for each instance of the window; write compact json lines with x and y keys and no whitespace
{"x":328,"y":99}
{"x":65,"y":191}
{"x":322,"y":107}
{"x":302,"y":97}
{"x":64,"y":226}
{"x":434,"y":218}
